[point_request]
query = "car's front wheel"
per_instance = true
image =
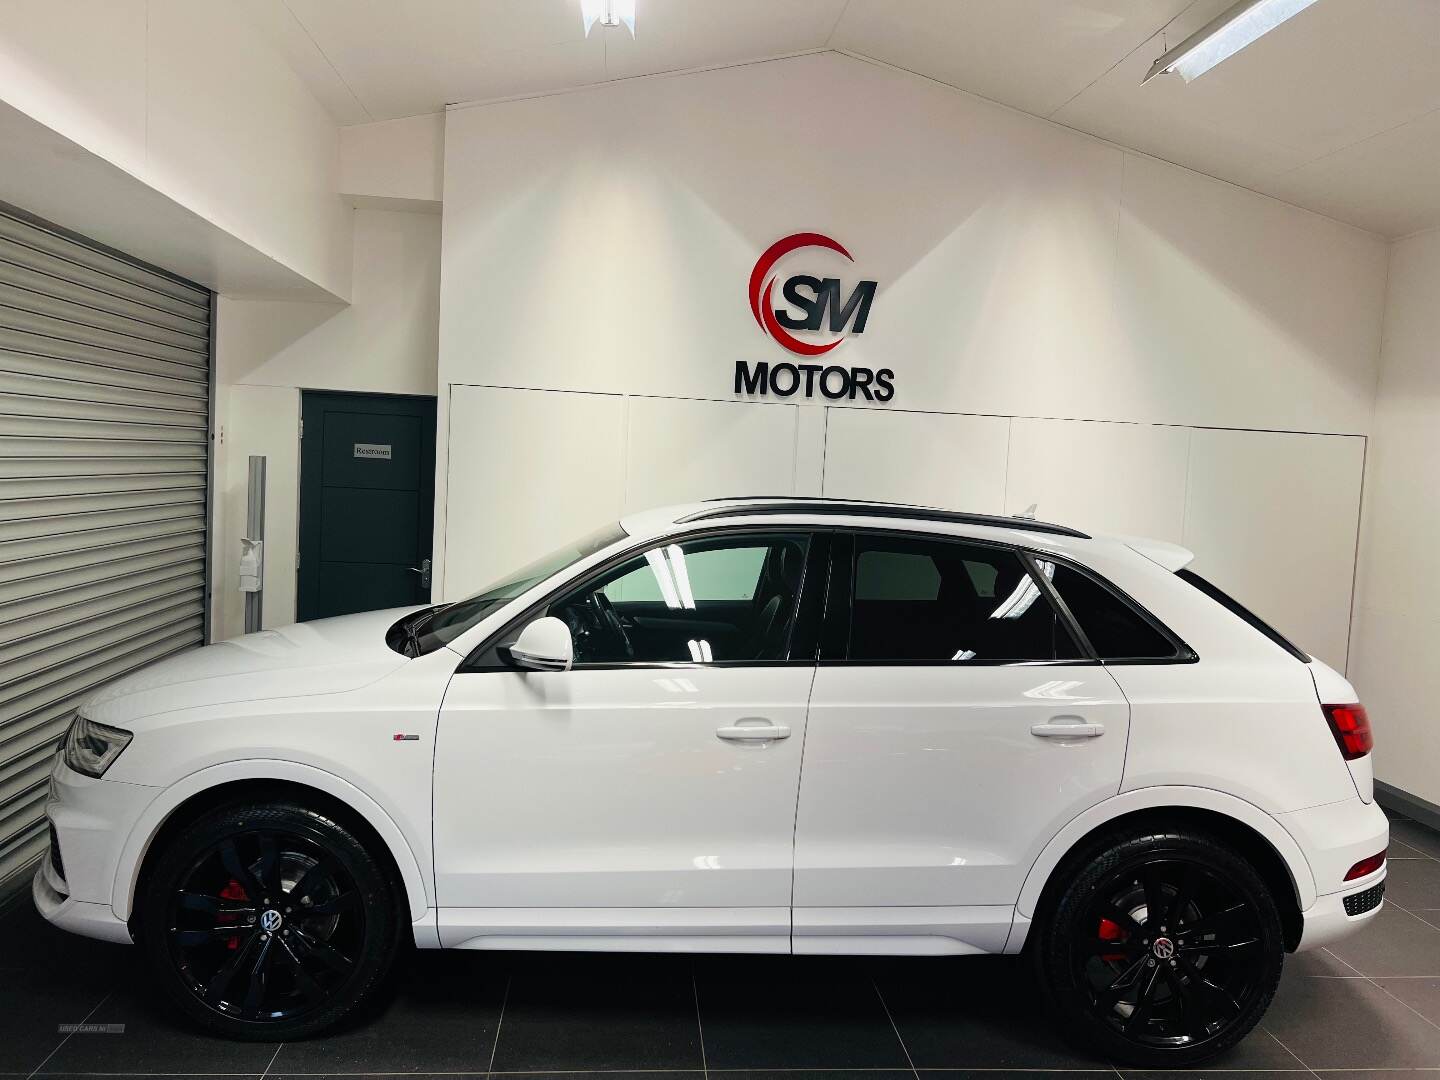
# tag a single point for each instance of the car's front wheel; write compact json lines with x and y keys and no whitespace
{"x":1162,"y":949}
{"x":268,"y":921}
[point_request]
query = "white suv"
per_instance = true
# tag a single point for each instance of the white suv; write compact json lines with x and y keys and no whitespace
{"x":749,"y":725}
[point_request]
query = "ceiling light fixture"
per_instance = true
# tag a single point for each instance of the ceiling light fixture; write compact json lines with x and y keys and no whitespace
{"x":608,"y":13}
{"x":1223,"y":37}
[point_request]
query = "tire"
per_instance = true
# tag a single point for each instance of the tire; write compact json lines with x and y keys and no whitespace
{"x":1147,"y":997}
{"x":243,"y":968}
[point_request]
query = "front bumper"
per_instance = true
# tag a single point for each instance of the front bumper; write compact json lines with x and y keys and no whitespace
{"x":91,"y":819}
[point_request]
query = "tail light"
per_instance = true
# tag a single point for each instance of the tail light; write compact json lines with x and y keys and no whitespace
{"x":1351,"y":728}
{"x":1365,"y":867}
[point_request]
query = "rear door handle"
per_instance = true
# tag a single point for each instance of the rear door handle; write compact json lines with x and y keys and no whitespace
{"x":1062,"y":729}
{"x":765,"y":732}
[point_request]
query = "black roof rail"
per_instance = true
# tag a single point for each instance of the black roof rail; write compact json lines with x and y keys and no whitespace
{"x":802,"y":504}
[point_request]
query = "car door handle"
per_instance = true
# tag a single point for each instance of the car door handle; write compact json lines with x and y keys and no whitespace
{"x":753,"y":732}
{"x":1061,"y":729}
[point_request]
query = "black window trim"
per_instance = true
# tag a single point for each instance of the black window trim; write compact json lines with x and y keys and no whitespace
{"x":483,"y":659}
{"x":1241,"y":612}
{"x":835,"y":632}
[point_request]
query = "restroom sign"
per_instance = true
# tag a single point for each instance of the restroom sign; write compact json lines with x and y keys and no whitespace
{"x":373,"y":451}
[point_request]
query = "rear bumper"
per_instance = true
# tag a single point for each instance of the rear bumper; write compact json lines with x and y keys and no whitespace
{"x":1334,"y":838}
{"x":1327,"y":921}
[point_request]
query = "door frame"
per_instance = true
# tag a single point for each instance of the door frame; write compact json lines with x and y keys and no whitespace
{"x":312,"y":408}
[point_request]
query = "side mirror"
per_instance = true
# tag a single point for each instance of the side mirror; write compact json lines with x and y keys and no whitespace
{"x":544,"y":645}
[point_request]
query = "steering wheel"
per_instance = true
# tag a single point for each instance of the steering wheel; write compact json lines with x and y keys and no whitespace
{"x":606,"y":616}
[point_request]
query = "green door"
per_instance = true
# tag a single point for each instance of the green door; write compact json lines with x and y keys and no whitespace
{"x":367,"y":502}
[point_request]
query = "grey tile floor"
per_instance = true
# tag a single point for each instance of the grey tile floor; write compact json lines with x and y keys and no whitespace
{"x":1369,"y":1005}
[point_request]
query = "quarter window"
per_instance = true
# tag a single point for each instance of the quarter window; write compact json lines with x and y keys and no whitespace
{"x":949,"y":601}
{"x":703,"y":601}
{"x":1115,"y":629}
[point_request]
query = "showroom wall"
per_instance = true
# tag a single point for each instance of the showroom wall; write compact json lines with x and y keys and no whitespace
{"x":1130,"y":345}
{"x":384,"y":341}
{"x":1397,"y":628}
{"x":191,"y":102}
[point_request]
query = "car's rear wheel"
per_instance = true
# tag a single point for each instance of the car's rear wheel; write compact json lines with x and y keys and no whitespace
{"x":1164,"y":947}
{"x":269,"y":921}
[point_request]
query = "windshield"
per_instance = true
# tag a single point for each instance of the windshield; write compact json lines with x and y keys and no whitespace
{"x":431,"y":628}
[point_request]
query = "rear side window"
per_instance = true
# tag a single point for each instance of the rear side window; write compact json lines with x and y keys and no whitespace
{"x":921,"y":600}
{"x":1115,"y":628}
{"x":1237,"y":608}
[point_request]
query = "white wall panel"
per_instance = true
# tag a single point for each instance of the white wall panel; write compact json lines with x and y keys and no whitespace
{"x":1396,"y":633}
{"x":602,"y":239}
{"x":529,"y":470}
{"x":384,"y":341}
{"x":1272,"y":518}
{"x":684,"y":451}
{"x":1239,"y":311}
{"x":191,"y":103}
{"x":1104,"y":477}
{"x":933,"y":459}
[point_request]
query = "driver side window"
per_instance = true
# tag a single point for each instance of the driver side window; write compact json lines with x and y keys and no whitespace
{"x":703,"y":601}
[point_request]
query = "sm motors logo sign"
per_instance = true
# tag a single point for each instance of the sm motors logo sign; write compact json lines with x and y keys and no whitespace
{"x":817,"y":306}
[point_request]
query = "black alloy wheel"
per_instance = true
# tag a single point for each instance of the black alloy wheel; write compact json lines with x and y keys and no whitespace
{"x":269,"y":922}
{"x":1166,"y":949}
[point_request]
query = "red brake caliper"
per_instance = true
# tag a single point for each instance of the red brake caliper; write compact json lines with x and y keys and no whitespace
{"x":1112,"y":931}
{"x":233,"y":891}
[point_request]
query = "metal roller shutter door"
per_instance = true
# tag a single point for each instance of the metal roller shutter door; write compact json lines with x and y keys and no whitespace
{"x":104,"y":469}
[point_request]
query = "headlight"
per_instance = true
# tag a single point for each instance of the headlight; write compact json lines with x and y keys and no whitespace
{"x":91,"y":748}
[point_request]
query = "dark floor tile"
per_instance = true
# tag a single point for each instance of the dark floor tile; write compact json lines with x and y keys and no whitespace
{"x":1413,"y":834}
{"x":1394,"y":943}
{"x":1350,"y":1024}
{"x":45,"y":955}
{"x":441,"y":1017}
{"x":1204,"y":1072}
{"x":33,"y":1015}
{"x":794,"y":1012}
{"x":697,"y":1074}
{"x":1413,"y":883}
{"x":156,"y":1039}
{"x":1319,"y":962}
{"x":573,"y":1012}
{"x":1259,"y":1052}
{"x":829,"y":1074}
{"x":1379,"y":1074}
{"x":1422,"y":995}
{"x":976,"y":1013}
{"x":1400,"y":850}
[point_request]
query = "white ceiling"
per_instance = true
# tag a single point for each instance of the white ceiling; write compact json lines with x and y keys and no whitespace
{"x":1338,"y":110}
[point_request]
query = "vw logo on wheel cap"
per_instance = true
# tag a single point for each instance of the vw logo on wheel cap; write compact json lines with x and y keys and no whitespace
{"x":270,"y":921}
{"x":1164,"y":948}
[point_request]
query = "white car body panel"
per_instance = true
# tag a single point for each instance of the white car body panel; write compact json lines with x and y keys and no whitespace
{"x":921,"y":794}
{"x":598,"y":809}
{"x":611,"y":788}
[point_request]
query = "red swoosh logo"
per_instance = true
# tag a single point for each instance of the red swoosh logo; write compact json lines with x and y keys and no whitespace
{"x":761,"y":289}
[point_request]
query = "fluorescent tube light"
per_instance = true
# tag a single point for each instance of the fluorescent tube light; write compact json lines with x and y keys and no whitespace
{"x":1224,"y":37}
{"x":608,"y":13}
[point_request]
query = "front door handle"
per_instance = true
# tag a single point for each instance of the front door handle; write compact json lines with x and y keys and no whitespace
{"x":424,"y":571}
{"x":762,"y":732}
{"x":1067,"y":729}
